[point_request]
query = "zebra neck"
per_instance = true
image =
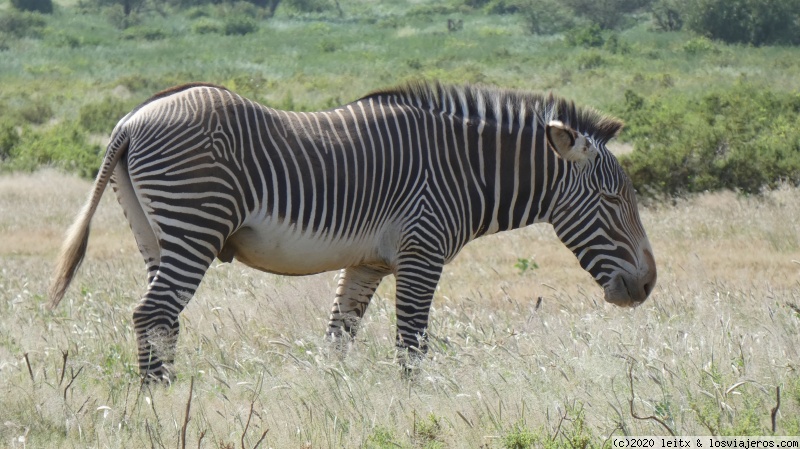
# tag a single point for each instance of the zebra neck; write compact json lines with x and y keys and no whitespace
{"x":520,"y":176}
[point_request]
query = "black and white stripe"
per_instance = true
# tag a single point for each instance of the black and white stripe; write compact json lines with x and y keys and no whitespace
{"x":396,"y":182}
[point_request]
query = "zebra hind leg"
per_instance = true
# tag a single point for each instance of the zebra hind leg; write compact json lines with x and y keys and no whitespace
{"x":353,"y":295}
{"x":156,"y":317}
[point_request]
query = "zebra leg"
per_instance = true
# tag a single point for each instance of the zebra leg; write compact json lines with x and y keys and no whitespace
{"x":156,"y":317}
{"x":353,"y":294}
{"x":417,"y":278}
{"x":142,"y":229}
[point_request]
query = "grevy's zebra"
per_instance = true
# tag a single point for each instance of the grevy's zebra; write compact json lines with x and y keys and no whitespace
{"x":396,"y":182}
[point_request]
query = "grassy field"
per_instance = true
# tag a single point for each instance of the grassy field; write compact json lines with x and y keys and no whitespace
{"x":704,"y":355}
{"x":309,"y":62}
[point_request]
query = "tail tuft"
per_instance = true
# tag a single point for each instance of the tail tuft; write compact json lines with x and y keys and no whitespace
{"x":74,"y":247}
{"x":72,"y":253}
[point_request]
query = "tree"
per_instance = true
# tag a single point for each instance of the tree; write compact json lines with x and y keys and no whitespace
{"x":42,"y":6}
{"x":756,"y":22}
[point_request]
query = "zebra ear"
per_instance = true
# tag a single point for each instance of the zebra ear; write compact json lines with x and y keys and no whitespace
{"x":568,"y":143}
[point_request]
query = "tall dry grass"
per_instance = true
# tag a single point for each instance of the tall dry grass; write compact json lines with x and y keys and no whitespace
{"x":704,"y":355}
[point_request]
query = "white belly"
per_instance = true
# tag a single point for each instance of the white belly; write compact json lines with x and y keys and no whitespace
{"x":284,"y":249}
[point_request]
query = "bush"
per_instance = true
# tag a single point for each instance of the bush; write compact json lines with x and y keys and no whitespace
{"x":9,"y":138}
{"x":608,"y":14}
{"x":756,"y":22}
{"x":590,"y":60}
{"x":21,"y":24}
{"x":42,"y":6}
{"x":206,"y":26}
{"x":700,"y":45}
{"x":667,"y":15}
{"x":547,"y":17}
{"x":306,"y":6}
{"x":587,"y":36}
{"x":63,"y":145}
{"x":36,"y":111}
{"x":240,"y":25}
{"x":743,"y":138}
{"x":144,"y":32}
{"x":505,"y":6}
{"x":100,"y":117}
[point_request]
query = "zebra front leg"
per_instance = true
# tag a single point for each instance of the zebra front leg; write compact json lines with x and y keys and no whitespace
{"x":417,"y":278}
{"x":156,"y":317}
{"x":353,"y":294}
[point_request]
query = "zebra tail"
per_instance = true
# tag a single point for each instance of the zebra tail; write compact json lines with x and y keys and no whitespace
{"x":77,"y":237}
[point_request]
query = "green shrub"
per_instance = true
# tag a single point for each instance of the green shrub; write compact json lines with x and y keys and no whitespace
{"x":757,"y":22}
{"x":547,"y":17}
{"x":100,"y":117}
{"x":240,"y":25}
{"x":63,"y":145}
{"x":519,"y":437}
{"x":668,"y":15}
{"x":197,"y":12}
{"x":21,"y":23}
{"x":9,"y":138}
{"x":590,"y":60}
{"x":42,"y":6}
{"x":743,"y":138}
{"x":586,"y":36}
{"x":63,"y":39}
{"x":206,"y":26}
{"x":144,"y":32}
{"x":608,"y":14}
{"x":307,"y":6}
{"x":699,"y":45}
{"x":505,"y":6}
{"x":616,"y":45}
{"x":328,"y":46}
{"x":36,"y":111}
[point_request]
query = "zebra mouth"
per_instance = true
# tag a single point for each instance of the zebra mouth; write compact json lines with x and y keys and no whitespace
{"x":622,"y":291}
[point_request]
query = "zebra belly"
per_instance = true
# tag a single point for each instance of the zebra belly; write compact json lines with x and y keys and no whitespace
{"x":290,"y":251}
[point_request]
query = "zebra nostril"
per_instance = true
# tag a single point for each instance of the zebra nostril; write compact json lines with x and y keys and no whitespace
{"x":648,"y":287}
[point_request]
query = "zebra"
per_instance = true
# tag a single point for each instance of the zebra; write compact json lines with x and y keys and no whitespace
{"x":397,"y":182}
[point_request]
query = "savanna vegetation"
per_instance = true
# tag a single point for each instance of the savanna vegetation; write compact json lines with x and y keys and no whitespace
{"x":711,"y":97}
{"x":708,"y":88}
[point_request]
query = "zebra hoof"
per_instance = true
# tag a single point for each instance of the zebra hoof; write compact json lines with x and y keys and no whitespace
{"x":159,"y":376}
{"x":410,"y":361}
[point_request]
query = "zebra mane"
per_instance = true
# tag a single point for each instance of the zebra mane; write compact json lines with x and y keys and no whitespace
{"x":489,"y":103}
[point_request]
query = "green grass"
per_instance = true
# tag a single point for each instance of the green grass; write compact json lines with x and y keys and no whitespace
{"x":82,"y":57}
{"x":78,"y":59}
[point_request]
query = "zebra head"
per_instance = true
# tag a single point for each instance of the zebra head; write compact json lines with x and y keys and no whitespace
{"x":596,"y":216}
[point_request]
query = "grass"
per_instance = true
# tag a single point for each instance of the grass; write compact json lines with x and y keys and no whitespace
{"x":706,"y":352}
{"x":321,"y":61}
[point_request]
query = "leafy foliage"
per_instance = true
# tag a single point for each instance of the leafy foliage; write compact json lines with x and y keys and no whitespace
{"x":667,"y":15}
{"x":587,"y":36}
{"x":205,"y":25}
{"x":36,"y":111}
{"x":21,"y":23}
{"x":608,"y":14}
{"x":240,"y":25}
{"x":743,"y":138}
{"x":100,"y":117}
{"x":9,"y":138}
{"x":547,"y":17}
{"x":42,"y":6}
{"x":64,"y":145}
{"x":757,"y":22}
{"x":144,"y":32}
